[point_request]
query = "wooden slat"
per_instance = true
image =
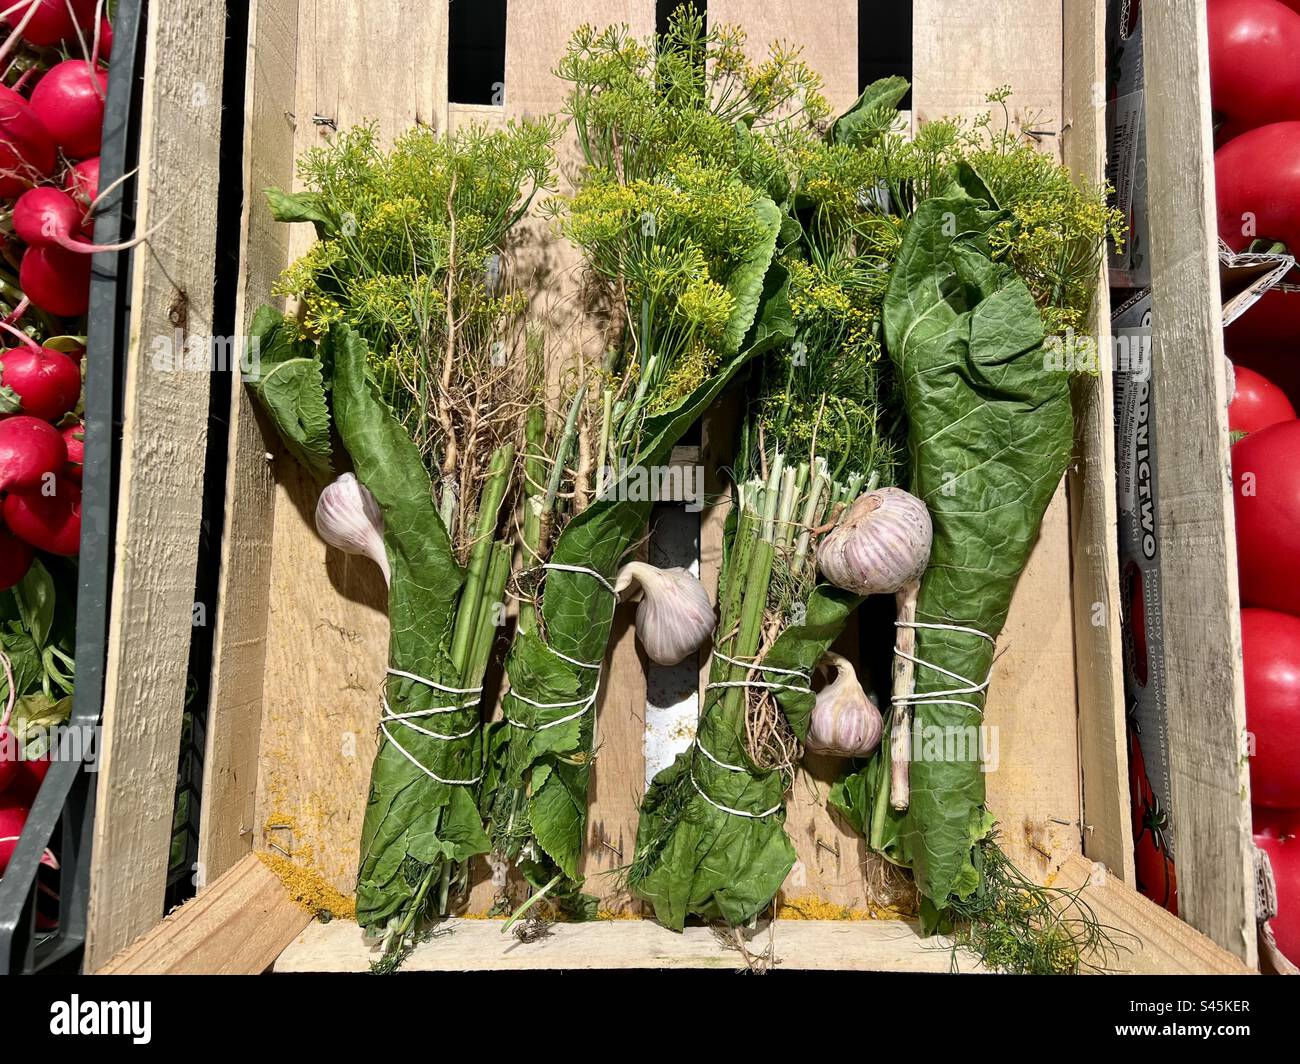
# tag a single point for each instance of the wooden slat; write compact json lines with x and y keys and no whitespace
{"x":475,"y":945}
{"x":1206,"y":703}
{"x":228,"y":809}
{"x":959,"y":53}
{"x":1103,"y":754}
{"x":238,"y":926}
{"x":1152,"y":940}
{"x":160,"y":501}
{"x":826,"y":32}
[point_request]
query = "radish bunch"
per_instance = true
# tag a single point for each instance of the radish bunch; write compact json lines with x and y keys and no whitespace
{"x":53,"y":85}
{"x":1255,"y":89}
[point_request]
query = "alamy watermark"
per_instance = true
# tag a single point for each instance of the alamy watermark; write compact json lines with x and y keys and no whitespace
{"x":675,"y":482}
{"x":1128,"y":353}
{"x":182,"y":352}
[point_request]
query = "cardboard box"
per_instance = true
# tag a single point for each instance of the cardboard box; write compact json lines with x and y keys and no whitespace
{"x":1126,"y":151}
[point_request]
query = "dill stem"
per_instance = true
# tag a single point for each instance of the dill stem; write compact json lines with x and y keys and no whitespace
{"x":471,"y":601}
{"x":562,"y":451}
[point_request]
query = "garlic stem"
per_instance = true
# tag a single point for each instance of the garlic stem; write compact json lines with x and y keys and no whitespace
{"x":904,"y":684}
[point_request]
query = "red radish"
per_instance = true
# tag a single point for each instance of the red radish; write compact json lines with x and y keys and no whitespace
{"x":1254,"y":61}
{"x":1283,"y":849}
{"x":15,"y":559}
{"x":1280,"y":367}
{"x":105,"y":38}
{"x":51,"y":23}
{"x":48,"y":522}
{"x":26,"y":784}
{"x":31,"y":450}
{"x":40,"y":381}
{"x":81,"y":181}
{"x":44,"y":216}
{"x":1256,"y":402}
{"x":27,"y":150}
{"x":1270,"y":644}
{"x":1266,"y":490}
{"x":13,"y":818}
{"x":56,"y":280}
{"x":1258,"y":179}
{"x":69,"y":99}
{"x":74,"y":436}
{"x":10,"y":766}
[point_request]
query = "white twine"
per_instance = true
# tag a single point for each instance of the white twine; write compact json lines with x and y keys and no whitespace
{"x":942,"y":698}
{"x":585,"y":703}
{"x":582,"y":569}
{"x":727,"y":809}
{"x":760,"y":667}
{"x":405,"y":719}
{"x":721,"y":764}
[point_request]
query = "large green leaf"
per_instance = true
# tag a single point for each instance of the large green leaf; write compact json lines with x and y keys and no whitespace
{"x":287,"y":378}
{"x":862,"y":123}
{"x":412,"y":819}
{"x":989,"y":437}
{"x":747,"y":278}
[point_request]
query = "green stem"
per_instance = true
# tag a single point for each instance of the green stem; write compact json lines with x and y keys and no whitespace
{"x":530,"y":903}
{"x":534,"y":472}
{"x":494,"y":490}
{"x":493,"y":593}
{"x":562,"y":452}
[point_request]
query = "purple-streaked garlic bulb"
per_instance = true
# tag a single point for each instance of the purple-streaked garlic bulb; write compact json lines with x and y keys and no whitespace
{"x":845,"y":722}
{"x":880,"y":546}
{"x":349,"y":518}
{"x":674,"y":618}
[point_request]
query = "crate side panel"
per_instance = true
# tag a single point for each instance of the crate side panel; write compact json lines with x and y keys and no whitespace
{"x":1103,"y":755}
{"x":161,"y":495}
{"x":227,"y":812}
{"x":1206,"y":700}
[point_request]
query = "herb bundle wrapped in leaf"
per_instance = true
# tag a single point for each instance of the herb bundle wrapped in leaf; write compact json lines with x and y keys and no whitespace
{"x":999,"y":246}
{"x":822,"y":429}
{"x":684,"y":248}
{"x":408,"y":327}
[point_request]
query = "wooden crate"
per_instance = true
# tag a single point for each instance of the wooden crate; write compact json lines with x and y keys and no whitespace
{"x":302,"y":631}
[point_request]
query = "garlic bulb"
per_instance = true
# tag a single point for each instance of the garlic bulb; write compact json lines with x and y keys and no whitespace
{"x":881,"y":545}
{"x":347,"y":517}
{"x":845,"y":722}
{"x":674,"y":618}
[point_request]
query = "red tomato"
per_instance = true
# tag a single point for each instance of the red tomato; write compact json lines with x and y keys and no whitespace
{"x":1258,"y":179}
{"x":1256,"y":402}
{"x":1272,"y":322}
{"x":1254,"y":61}
{"x":1280,"y":367}
{"x":1266,"y":490}
{"x":1153,"y":864}
{"x":1270,"y":643}
{"x":1283,"y":849}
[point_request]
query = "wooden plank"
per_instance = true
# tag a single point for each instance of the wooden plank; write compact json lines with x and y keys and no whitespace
{"x":962,"y":51}
{"x":228,"y":810}
{"x":959,"y":54}
{"x":474,"y":945}
{"x":825,"y":31}
{"x":1153,"y":941}
{"x":1103,"y":753}
{"x":238,"y":926}
{"x":161,"y":495}
{"x":1206,"y":703}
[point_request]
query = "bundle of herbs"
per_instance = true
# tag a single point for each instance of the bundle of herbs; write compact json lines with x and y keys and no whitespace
{"x":410,"y":347}
{"x":681,"y":240}
{"x":1000,"y":250}
{"x":823,"y":431}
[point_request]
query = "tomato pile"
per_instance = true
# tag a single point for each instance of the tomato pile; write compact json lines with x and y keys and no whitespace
{"x":53,"y":81}
{"x":1255,"y":89}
